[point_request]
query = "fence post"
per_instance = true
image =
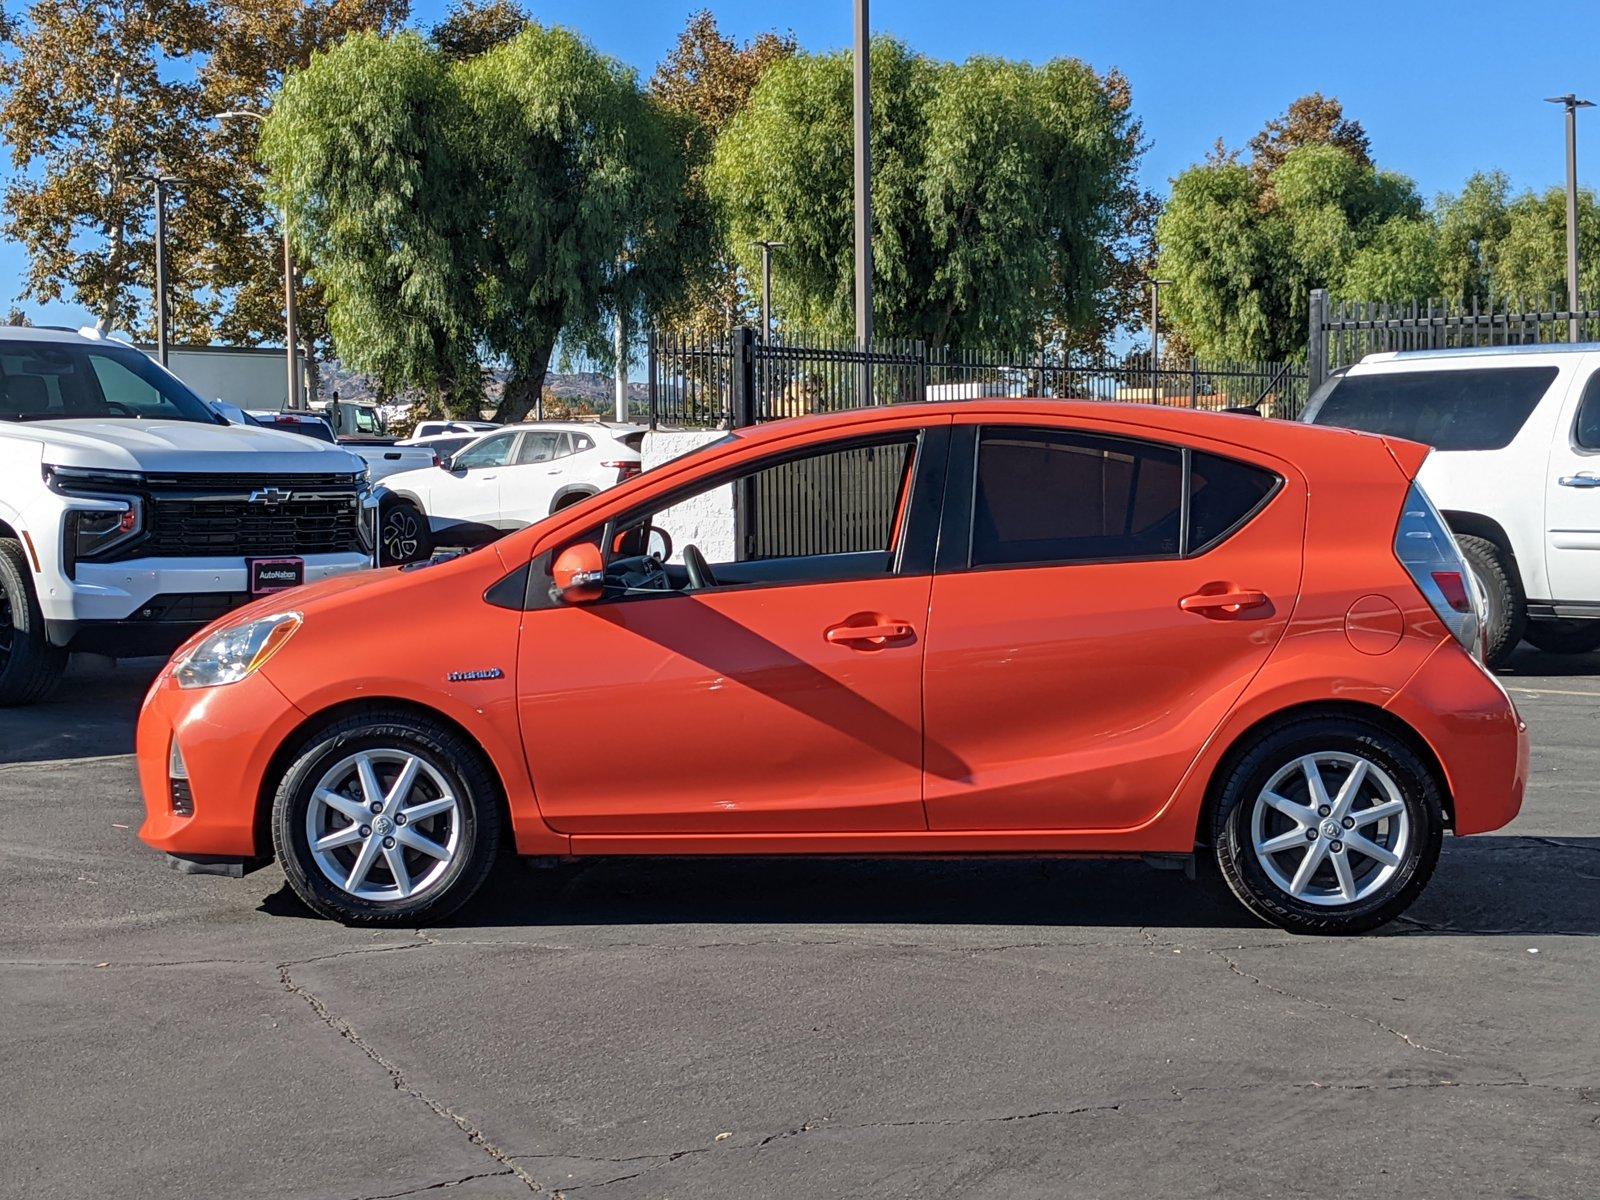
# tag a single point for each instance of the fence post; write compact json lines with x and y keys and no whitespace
{"x":742,"y":402}
{"x":1317,"y":340}
{"x":1194,"y":382}
{"x":920,"y":349}
{"x":650,"y":376}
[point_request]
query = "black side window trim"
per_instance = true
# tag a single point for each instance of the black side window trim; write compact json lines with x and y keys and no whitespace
{"x":961,"y":485}
{"x":1591,"y":391}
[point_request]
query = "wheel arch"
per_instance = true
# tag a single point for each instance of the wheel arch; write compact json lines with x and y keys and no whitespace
{"x":297,"y":738}
{"x":1371,"y":713}
{"x":572,"y":493}
{"x":1473,"y":524}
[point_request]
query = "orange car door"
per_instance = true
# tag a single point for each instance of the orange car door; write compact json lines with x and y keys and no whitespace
{"x":1099,"y":605}
{"x":786,"y":699}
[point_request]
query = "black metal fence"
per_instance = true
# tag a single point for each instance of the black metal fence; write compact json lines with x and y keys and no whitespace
{"x":1341,"y":332}
{"x":721,"y":382}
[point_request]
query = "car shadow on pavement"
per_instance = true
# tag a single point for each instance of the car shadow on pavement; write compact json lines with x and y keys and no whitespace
{"x":92,"y":713}
{"x":1528,"y":661}
{"x":1484,"y":885}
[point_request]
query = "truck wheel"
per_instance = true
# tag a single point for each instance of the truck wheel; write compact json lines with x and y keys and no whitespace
{"x":403,"y":534}
{"x":1563,"y":637}
{"x":1507,"y":611}
{"x":29,"y":665}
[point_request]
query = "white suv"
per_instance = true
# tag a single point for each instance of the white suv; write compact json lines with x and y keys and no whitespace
{"x":1515,"y":471}
{"x":132,"y":514}
{"x":502,"y":482}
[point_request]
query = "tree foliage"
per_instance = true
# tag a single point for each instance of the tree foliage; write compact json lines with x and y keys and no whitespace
{"x":472,"y":28}
{"x":1002,"y":193}
{"x":1314,"y":120}
{"x":493,"y":204}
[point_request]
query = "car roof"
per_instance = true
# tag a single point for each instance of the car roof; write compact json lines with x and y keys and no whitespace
{"x":573,"y":427}
{"x":1292,"y":440}
{"x":57,"y":333}
{"x":1483,"y":351}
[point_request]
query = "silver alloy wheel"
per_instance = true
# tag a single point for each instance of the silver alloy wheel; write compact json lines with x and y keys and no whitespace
{"x":383,"y":825}
{"x":1330,"y":828}
{"x":400,"y":533}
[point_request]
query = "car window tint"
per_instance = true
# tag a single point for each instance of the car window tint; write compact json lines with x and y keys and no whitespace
{"x":538,"y":448}
{"x":1048,"y":496}
{"x":1586,"y":432}
{"x":580,"y":443}
{"x":491,"y":452}
{"x":633,"y":441}
{"x":1222,"y":495}
{"x":45,"y":380}
{"x":1480,"y":408}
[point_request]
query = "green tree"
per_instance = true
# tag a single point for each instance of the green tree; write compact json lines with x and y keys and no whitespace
{"x":92,"y":102}
{"x":1530,"y":261}
{"x":488,"y":205}
{"x":997,"y":188}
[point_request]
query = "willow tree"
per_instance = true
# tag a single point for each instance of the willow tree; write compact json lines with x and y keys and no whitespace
{"x":1003,"y":193}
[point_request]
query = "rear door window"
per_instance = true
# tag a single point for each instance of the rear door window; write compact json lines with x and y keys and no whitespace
{"x":1480,"y":408}
{"x":1586,"y":432}
{"x":1223,"y":495}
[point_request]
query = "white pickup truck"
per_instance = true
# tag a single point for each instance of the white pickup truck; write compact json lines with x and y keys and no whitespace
{"x":1515,"y":472}
{"x":131,"y":514}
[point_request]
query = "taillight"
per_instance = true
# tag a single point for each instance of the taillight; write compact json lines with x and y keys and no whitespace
{"x":626,"y":468}
{"x":1428,"y":551}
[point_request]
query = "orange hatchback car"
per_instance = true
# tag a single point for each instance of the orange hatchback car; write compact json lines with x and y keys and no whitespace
{"x":988,"y":627}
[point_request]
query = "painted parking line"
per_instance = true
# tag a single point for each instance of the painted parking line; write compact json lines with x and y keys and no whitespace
{"x":1552,"y":692}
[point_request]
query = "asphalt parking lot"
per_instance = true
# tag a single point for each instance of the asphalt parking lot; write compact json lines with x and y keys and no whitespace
{"x":758,"y":1029}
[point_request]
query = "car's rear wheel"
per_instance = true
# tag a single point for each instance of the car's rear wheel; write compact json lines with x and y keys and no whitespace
{"x":29,"y":665}
{"x":1506,"y":614}
{"x":403,"y":534}
{"x":1563,"y":637}
{"x":1328,"y":824}
{"x":385,"y":818}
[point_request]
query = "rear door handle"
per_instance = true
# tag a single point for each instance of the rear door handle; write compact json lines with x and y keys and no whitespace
{"x":1232,"y":601}
{"x":877,"y":635}
{"x":1580,"y":481}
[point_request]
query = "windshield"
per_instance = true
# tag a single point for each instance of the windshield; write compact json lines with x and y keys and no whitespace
{"x":53,"y":381}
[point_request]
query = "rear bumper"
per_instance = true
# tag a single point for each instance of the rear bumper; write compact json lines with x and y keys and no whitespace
{"x":225,"y":769}
{"x":1474,"y":730}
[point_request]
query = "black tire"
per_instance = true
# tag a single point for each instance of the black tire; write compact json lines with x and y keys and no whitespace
{"x":1247,"y":777}
{"x":403,"y":533}
{"x":1563,"y":637}
{"x":30,"y":667}
{"x":1508,"y":612}
{"x":477,"y":818}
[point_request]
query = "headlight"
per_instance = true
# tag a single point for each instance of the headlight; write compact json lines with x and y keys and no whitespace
{"x":229,"y":655}
{"x":93,"y":533}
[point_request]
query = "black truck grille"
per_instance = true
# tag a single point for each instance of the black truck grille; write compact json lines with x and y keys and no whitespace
{"x":319,"y":523}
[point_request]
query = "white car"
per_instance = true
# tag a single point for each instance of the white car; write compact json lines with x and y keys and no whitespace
{"x":383,"y":457}
{"x":1515,"y":471}
{"x":427,"y":429}
{"x":503,"y":481}
{"x":132,"y":514}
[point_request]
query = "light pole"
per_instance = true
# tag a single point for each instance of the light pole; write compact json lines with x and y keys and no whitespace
{"x":291,"y":325}
{"x":1155,"y":286}
{"x":766,"y":287}
{"x":160,"y":181}
{"x":1572,"y":104}
{"x":863,"y":189}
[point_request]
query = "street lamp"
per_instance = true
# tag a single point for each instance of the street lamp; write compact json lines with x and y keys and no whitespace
{"x":766,"y":287}
{"x":161,"y":181}
{"x":1155,"y":286}
{"x":291,"y":332}
{"x":1572,"y":104}
{"x":863,"y":194}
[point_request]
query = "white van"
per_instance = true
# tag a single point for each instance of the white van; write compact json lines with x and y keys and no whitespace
{"x":1515,"y":470}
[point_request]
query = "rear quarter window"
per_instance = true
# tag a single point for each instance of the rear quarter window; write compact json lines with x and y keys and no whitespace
{"x":1474,"y":409}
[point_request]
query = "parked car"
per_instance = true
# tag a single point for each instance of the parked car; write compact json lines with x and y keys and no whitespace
{"x":501,"y":482}
{"x":383,"y":458}
{"x":443,"y":445}
{"x":131,"y":514}
{"x":1515,"y":471}
{"x":428,"y":429}
{"x":994,"y":626}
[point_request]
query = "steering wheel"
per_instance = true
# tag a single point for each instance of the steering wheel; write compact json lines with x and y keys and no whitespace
{"x":124,"y":409}
{"x":694,"y":563}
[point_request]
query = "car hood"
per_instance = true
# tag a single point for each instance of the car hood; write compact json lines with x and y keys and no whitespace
{"x":181,"y":446}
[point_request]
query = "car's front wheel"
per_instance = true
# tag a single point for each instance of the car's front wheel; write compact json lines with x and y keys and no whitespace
{"x":1328,"y":824}
{"x":29,"y":665}
{"x":403,"y":534}
{"x":386,"y":817}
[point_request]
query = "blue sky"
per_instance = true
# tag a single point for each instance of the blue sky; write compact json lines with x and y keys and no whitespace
{"x":1442,"y":93}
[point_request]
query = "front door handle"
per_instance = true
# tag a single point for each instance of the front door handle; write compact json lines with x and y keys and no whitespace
{"x":880,"y":633}
{"x":1580,"y":481}
{"x":1231,"y":601}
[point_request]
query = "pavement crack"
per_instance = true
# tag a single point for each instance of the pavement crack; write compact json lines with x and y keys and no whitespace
{"x":398,"y":1079}
{"x":1398,"y":1034}
{"x":434,"y":1187}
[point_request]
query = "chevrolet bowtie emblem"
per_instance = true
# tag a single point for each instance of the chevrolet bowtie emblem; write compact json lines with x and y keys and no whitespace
{"x":270,"y":496}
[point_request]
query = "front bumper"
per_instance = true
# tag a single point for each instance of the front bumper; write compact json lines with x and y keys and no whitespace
{"x":227,"y":736}
{"x":150,"y":605}
{"x":1475,"y":731}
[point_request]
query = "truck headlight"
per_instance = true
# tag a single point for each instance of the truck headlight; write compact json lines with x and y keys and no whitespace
{"x":230,"y":655}
{"x":93,"y":532}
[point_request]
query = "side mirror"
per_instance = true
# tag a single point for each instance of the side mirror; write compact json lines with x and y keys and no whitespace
{"x":579,"y":574}
{"x":445,"y":463}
